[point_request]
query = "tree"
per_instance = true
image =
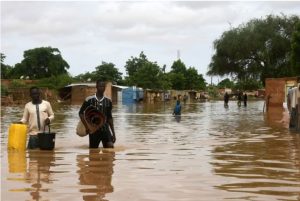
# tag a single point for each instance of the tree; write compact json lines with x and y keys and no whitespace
{"x":256,"y":50}
{"x":178,"y":75}
{"x":194,"y":81}
{"x":132,"y":66}
{"x":226,"y":83}
{"x":295,"y":58}
{"x":107,"y":72}
{"x":148,"y":76}
{"x":183,"y":78}
{"x":40,"y":63}
{"x":5,"y":69}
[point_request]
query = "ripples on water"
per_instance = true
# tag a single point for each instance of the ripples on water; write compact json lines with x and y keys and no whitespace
{"x":210,"y":153}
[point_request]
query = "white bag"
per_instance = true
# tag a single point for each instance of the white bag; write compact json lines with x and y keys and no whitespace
{"x":80,"y":129}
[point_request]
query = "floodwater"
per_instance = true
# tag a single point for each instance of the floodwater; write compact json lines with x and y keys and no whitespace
{"x":210,"y":153}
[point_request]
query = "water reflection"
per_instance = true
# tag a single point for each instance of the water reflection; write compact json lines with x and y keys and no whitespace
{"x":254,"y":164}
{"x":177,"y":118}
{"x":17,"y":161}
{"x":95,"y":173}
{"x":38,"y":172}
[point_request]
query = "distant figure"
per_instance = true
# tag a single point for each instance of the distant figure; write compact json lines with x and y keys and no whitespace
{"x":185,"y":97}
{"x":226,"y":99}
{"x":245,"y":99}
{"x":289,"y":99}
{"x":239,"y":99}
{"x":177,"y":108}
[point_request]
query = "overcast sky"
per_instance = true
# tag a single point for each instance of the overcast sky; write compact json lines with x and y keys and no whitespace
{"x":88,"y":33}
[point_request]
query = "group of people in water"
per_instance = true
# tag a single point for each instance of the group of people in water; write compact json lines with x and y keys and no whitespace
{"x":240,"y":97}
{"x":38,"y":113}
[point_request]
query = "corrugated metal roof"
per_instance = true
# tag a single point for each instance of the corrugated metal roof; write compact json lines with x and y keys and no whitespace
{"x":82,"y":84}
{"x":119,"y":86}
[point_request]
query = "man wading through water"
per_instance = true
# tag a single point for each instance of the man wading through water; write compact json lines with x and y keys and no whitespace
{"x":103,"y":105}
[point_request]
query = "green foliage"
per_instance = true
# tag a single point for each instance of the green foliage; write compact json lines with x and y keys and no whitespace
{"x":55,"y":82}
{"x":144,"y":73}
{"x":256,"y":50}
{"x":41,"y":63}
{"x":248,"y":85}
{"x":2,"y":57}
{"x":165,"y":81}
{"x":108,"y":72}
{"x":148,"y":76}
{"x":226,"y":83}
{"x":194,"y":81}
{"x":4,"y":90}
{"x":212,"y":91}
{"x":17,"y":84}
{"x":5,"y":69}
{"x":132,"y":66}
{"x":85,"y":77}
{"x":177,"y":80}
{"x":105,"y":72}
{"x":183,"y":78}
{"x":295,"y":55}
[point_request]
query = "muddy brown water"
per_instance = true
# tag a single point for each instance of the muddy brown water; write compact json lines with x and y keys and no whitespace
{"x":210,"y":153}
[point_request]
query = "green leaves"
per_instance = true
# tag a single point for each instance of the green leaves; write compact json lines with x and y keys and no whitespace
{"x":41,"y":63}
{"x":107,"y":72}
{"x":255,"y":50}
{"x":147,"y":74}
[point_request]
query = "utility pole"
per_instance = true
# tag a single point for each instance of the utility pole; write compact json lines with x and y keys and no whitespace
{"x":178,"y":54}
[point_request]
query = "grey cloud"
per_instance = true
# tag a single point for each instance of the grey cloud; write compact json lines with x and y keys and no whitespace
{"x":87,"y":32}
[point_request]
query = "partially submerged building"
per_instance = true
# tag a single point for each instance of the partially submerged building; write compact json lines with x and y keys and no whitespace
{"x":277,"y":88}
{"x":132,"y":95}
{"x":276,"y":97}
{"x":77,"y":92}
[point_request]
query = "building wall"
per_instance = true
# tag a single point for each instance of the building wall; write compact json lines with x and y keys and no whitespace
{"x":277,"y":88}
{"x":79,"y":93}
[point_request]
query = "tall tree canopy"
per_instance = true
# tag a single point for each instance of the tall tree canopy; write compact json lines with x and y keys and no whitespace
{"x":132,"y":66}
{"x":183,"y":78}
{"x":178,"y":75}
{"x":226,"y":83}
{"x":105,"y":71}
{"x":295,"y":56}
{"x":108,"y":72}
{"x":144,"y":73}
{"x":40,"y":63}
{"x":256,"y":50}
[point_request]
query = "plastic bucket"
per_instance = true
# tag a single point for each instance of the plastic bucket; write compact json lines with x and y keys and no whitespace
{"x":46,"y":140}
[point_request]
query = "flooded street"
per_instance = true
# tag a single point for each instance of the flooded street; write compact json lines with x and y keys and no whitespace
{"x":210,"y":153}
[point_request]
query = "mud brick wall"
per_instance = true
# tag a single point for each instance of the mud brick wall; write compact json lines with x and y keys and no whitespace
{"x":276,"y":89}
{"x":79,"y":93}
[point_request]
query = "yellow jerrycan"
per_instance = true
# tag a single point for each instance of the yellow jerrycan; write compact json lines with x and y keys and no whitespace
{"x":17,"y":136}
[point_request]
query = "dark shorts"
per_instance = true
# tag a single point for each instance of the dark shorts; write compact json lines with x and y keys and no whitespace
{"x":103,"y":135}
{"x":33,"y":142}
